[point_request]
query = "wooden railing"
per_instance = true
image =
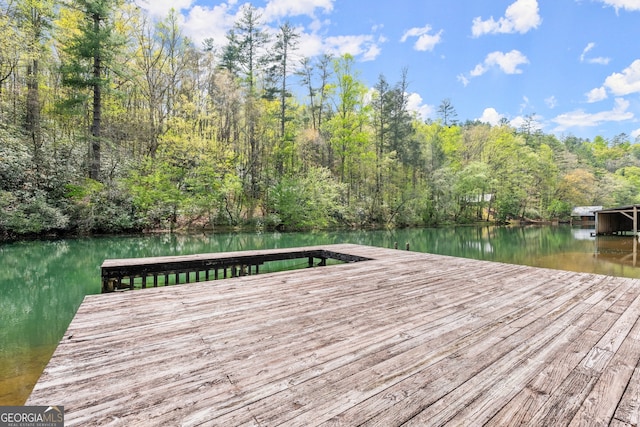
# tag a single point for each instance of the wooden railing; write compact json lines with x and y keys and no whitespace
{"x":119,"y":274}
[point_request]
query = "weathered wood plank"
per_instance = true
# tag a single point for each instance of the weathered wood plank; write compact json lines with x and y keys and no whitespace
{"x":536,"y":393}
{"x":628,"y":410}
{"x":330,"y":351}
{"x":479,"y":367}
{"x":599,"y":406}
{"x":405,"y":338}
{"x":500,"y":387}
{"x":560,"y":404}
{"x":497,"y":330}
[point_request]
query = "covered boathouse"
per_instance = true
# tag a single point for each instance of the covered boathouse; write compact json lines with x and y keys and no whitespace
{"x":584,"y":215}
{"x":621,"y":221}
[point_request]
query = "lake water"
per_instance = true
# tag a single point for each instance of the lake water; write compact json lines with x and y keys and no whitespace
{"x":42,"y":283}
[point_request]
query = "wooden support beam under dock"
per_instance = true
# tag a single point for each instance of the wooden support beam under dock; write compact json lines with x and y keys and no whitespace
{"x":403,"y":339}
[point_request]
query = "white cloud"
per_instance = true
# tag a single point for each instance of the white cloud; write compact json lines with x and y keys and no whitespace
{"x":580,"y":118}
{"x":551,"y":102}
{"x":283,"y":8}
{"x":415,"y":104}
{"x":596,"y":95}
{"x":372,"y":53}
{"x":426,"y":41}
{"x":463,"y":79}
{"x":586,"y":50}
{"x":355,"y":45}
{"x":631,"y":5}
{"x":627,"y":82}
{"x":197,"y":22}
{"x":365,"y":46}
{"x":491,"y":116}
{"x":619,"y":84}
{"x":533,"y":122}
{"x":517,"y":122}
{"x":160,"y":8}
{"x":310,"y":45}
{"x":507,"y":62}
{"x":600,"y":60}
{"x":202,"y":23}
{"x":520,"y":17}
{"x":479,"y":70}
{"x":636,"y":134}
{"x":597,"y":60}
{"x":317,"y":24}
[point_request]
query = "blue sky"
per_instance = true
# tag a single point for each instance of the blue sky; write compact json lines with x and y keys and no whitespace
{"x":573,"y":65}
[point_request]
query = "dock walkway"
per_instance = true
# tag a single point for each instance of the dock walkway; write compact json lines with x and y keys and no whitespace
{"x":402,"y":339}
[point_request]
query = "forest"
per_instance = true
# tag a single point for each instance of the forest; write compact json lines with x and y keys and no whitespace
{"x":111,"y":122}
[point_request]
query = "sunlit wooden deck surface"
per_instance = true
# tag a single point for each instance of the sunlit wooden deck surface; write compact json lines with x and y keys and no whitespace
{"x":405,"y":339}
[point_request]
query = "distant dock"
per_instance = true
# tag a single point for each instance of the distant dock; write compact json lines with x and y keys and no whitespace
{"x":404,"y":338}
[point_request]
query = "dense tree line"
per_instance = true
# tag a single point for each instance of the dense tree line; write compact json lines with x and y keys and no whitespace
{"x":111,"y":122}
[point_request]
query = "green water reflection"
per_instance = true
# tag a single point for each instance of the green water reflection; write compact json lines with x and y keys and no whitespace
{"x":43,"y":283}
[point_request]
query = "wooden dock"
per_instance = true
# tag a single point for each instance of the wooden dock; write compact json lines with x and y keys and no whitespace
{"x":122,"y":273}
{"x":402,"y":339}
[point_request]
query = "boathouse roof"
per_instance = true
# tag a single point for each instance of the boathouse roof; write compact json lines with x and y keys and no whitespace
{"x":583,"y":211}
{"x":619,"y":220}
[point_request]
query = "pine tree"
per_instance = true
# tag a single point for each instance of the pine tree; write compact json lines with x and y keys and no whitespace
{"x":244,"y":53}
{"x":89,"y":55}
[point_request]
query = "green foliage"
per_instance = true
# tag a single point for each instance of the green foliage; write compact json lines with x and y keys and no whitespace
{"x":94,"y":38}
{"x":15,"y":162}
{"x":471,"y":187}
{"x":508,"y":207}
{"x":30,"y":213}
{"x":80,"y":192}
{"x":96,"y":208}
{"x":185,"y":182}
{"x":155,"y":187}
{"x":188,"y":137}
{"x":413,"y":209}
{"x":451,"y":145}
{"x":307,"y":201}
{"x":348,"y":136}
{"x":630,"y":174}
{"x":559,"y":209}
